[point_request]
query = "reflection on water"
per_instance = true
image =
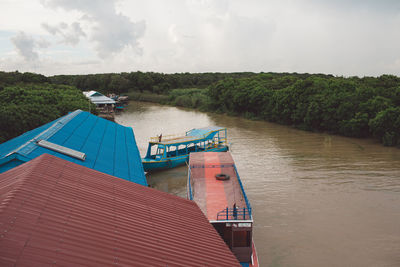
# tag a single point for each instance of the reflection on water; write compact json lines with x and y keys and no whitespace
{"x":318,"y":200}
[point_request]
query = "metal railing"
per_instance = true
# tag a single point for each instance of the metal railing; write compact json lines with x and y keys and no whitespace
{"x":165,"y":138}
{"x":189,"y":184}
{"x":241,"y":186}
{"x":234,"y":214}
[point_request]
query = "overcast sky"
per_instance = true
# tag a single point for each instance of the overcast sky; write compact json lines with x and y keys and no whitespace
{"x":340,"y":37}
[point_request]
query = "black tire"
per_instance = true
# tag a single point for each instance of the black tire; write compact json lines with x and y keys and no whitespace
{"x":222,"y":176}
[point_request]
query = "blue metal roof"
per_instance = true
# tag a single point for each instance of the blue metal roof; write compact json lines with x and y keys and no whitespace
{"x":204,"y":131}
{"x":191,"y":136}
{"x":109,"y":147}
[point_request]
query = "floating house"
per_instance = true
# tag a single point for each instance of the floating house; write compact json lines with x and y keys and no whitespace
{"x":82,"y":138}
{"x":99,"y":99}
{"x":104,"y":105}
{"x":57,"y":213}
{"x":214,"y":184}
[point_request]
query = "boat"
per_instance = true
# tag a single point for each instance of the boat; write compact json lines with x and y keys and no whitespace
{"x":215,"y":186}
{"x":123,"y":99}
{"x":165,"y":152}
{"x":119,"y":106}
{"x":120,"y":101}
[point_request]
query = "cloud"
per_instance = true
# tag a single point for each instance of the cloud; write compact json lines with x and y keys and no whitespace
{"x":208,"y":36}
{"x":42,"y":43}
{"x":70,"y":34}
{"x":51,"y":66}
{"x":25,"y":46}
{"x":51,"y":29}
{"x":382,"y":6}
{"x":112,"y":34}
{"x":353,"y":37}
{"x":110,"y":31}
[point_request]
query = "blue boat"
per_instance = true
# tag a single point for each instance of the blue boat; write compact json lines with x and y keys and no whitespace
{"x":119,"y":106}
{"x":165,"y":152}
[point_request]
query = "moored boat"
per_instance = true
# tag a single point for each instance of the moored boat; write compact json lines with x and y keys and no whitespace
{"x":166,"y":152}
{"x":214,"y":184}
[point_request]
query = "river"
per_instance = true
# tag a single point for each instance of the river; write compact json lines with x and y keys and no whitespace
{"x":317,"y":199}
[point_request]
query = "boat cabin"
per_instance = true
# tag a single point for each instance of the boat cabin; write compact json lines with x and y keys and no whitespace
{"x":214,"y":184}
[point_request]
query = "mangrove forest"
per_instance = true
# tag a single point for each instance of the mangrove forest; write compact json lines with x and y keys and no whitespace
{"x":351,"y":106}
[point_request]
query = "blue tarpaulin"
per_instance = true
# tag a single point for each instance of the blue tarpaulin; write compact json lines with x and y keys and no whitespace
{"x":109,"y":147}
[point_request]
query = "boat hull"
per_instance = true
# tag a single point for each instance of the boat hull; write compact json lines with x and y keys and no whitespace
{"x":254,"y":258}
{"x":150,"y":165}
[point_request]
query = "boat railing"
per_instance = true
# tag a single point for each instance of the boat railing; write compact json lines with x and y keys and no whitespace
{"x":223,"y":140}
{"x":189,"y":183}
{"x":241,"y":187}
{"x":234,"y":214}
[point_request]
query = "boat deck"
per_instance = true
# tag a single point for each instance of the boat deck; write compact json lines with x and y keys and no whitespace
{"x":214,"y":196}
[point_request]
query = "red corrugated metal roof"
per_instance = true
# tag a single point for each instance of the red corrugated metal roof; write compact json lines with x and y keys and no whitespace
{"x":210,"y":194}
{"x":54,"y":212}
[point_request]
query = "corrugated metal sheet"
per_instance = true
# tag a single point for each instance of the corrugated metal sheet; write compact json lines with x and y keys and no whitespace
{"x":204,"y":131}
{"x":109,"y":147}
{"x":210,"y":194}
{"x":98,"y":98}
{"x":193,"y":135}
{"x":56,"y":213}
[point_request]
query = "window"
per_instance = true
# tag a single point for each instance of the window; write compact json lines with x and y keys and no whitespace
{"x":160,"y":151}
{"x":153,"y":150}
{"x":191,"y":147}
{"x":182,"y":149}
{"x":171,"y":151}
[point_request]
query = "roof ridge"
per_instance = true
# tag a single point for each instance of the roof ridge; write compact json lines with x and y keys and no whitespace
{"x":17,"y":184}
{"x":28,"y":146}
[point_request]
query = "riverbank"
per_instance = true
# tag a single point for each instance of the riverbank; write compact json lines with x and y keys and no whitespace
{"x":194,"y":98}
{"x":148,"y":97}
{"x":301,"y":106}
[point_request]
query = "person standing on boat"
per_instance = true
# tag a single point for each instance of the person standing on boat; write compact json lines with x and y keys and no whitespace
{"x":159,"y":137}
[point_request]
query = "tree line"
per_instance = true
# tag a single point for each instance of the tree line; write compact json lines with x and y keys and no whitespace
{"x":158,"y":83}
{"x":353,"y":106}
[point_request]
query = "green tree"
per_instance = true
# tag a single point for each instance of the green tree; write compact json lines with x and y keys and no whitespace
{"x":386,"y":126}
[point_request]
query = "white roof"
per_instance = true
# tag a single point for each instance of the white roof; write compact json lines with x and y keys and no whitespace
{"x":97,"y":98}
{"x":91,"y":93}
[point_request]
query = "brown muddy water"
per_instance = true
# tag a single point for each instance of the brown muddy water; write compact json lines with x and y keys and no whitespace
{"x":317,"y":199}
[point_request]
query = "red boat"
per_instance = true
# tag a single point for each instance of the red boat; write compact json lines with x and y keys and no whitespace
{"x":214,"y":184}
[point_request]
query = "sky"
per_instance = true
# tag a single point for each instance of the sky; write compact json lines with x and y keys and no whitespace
{"x":339,"y":37}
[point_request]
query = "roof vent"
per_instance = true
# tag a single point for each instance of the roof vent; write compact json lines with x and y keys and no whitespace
{"x":62,"y":149}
